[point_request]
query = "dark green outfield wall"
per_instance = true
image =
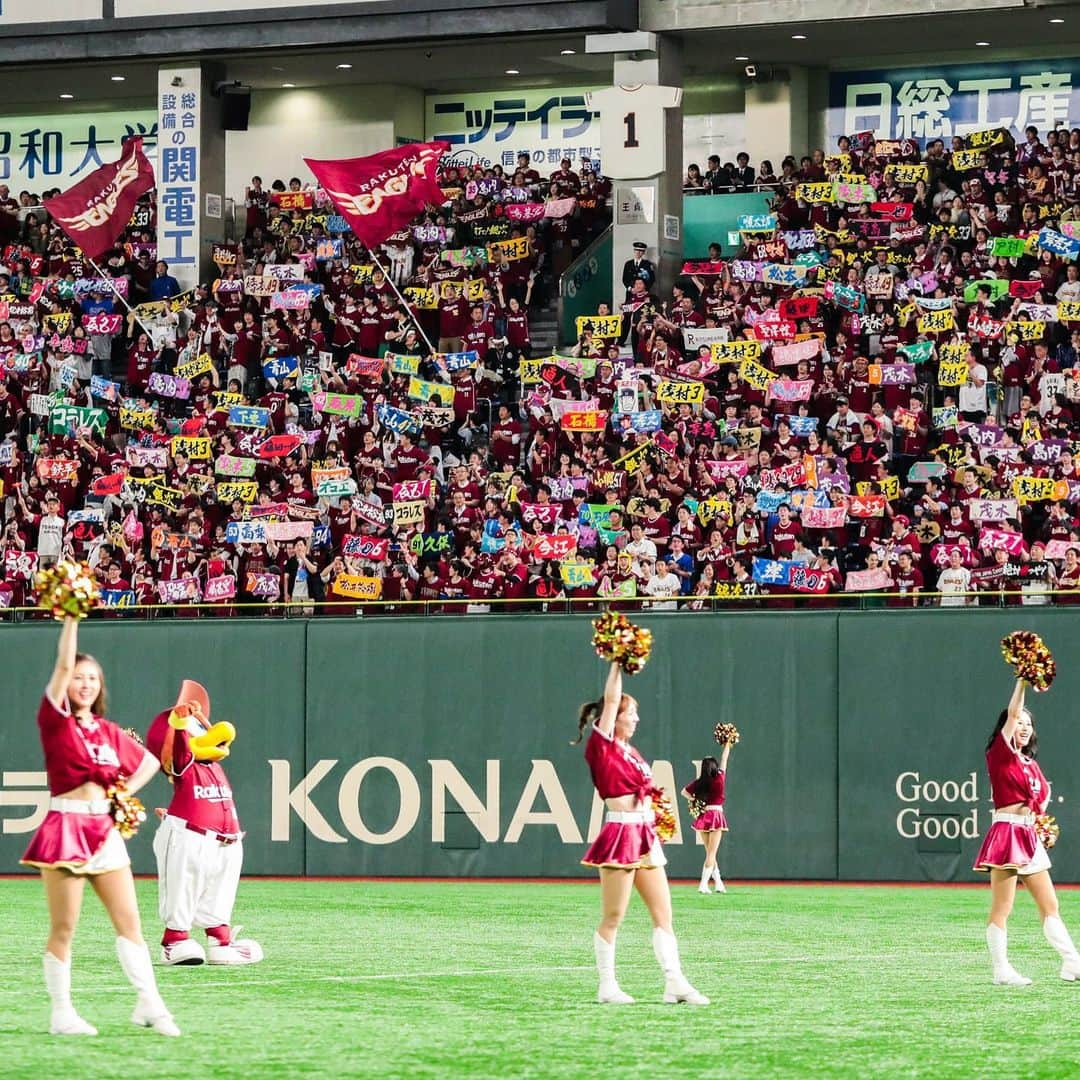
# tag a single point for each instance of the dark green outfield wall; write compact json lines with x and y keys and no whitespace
{"x":439,"y":746}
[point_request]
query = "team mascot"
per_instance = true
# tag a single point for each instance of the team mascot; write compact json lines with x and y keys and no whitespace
{"x":199,"y":845}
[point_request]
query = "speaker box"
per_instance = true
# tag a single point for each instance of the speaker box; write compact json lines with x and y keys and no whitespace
{"x":235,"y":106}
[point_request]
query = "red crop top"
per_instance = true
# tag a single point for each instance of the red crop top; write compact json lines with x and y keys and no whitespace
{"x":617,"y":768}
{"x":1015,"y":778}
{"x":77,"y":753}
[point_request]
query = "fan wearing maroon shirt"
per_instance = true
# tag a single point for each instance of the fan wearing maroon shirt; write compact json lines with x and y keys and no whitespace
{"x":506,"y":439}
{"x":785,"y":532}
{"x":655,"y":526}
{"x":407,"y":459}
{"x":907,"y":580}
{"x":453,"y":320}
{"x":477,"y":337}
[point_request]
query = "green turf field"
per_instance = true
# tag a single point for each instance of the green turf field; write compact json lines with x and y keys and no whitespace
{"x":486,"y":980}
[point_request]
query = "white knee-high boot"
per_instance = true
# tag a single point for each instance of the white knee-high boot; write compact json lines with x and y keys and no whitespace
{"x":718,"y":881}
{"x":1058,"y":936}
{"x":609,"y":993}
{"x":997,"y":941}
{"x":706,"y":877}
{"x":65,"y":1020}
{"x":676,"y":986}
{"x":150,"y":1010}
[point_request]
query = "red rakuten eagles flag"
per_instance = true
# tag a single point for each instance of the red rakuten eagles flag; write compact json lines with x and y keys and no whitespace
{"x":376,"y":195}
{"x":97,"y":209}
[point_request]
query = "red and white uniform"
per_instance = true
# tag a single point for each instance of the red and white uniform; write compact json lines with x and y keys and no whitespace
{"x":627,"y":838}
{"x":78,"y":835}
{"x":1011,"y":842}
{"x":712,"y":794}
{"x":199,"y":845}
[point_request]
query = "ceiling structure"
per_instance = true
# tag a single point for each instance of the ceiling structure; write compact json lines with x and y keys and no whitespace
{"x":560,"y":59}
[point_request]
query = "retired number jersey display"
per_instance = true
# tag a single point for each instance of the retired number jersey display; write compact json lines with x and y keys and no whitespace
{"x":632,"y":128}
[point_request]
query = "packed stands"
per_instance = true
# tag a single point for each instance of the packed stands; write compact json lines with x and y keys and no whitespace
{"x":871,"y":402}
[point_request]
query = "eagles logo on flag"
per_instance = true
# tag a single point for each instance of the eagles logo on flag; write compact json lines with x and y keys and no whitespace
{"x":380,"y":193}
{"x":95,"y":211}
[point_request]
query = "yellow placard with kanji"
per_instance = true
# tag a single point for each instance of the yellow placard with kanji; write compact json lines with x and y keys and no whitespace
{"x":907,"y":174}
{"x":194,"y":368}
{"x":357,"y":586}
{"x":517,"y":248}
{"x":904,"y":314}
{"x":952,"y":373}
{"x":605,"y":326}
{"x":196,"y":447}
{"x":1069,"y":311}
{"x":757,"y":375}
{"x":1039,"y":489}
{"x":1031,"y":431}
{"x":951,"y":351}
{"x":137,"y":419}
{"x":424,"y":299}
{"x":936,"y":322}
{"x":818,"y":192}
{"x":889,"y":486}
{"x":529,"y":371}
{"x":734,"y":352}
{"x":711,"y":508}
{"x":692,"y":393}
{"x":1027,"y":330}
{"x":635,"y":459}
{"x":244,"y":490}
{"x":226,"y":399}
{"x":362,"y":272}
{"x":963,"y":160}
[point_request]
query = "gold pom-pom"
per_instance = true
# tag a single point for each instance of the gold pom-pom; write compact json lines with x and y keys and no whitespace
{"x":132,"y":734}
{"x":617,"y":640}
{"x":665,"y":816}
{"x":697,"y":806}
{"x":67,"y":589}
{"x":726,"y":734}
{"x":1047,"y":830}
{"x":127,"y":811}
{"x":1032,"y":660}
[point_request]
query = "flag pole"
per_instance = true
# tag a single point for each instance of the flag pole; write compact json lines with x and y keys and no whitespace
{"x":123,"y":299}
{"x":407,"y":305}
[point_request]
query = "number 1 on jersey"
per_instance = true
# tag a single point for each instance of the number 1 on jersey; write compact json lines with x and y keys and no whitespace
{"x":630,"y":120}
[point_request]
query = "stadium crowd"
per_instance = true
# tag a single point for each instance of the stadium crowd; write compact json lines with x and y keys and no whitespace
{"x":874,"y":397}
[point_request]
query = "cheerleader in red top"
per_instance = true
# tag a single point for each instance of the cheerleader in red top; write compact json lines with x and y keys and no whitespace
{"x":627,"y":851}
{"x":84,"y":755}
{"x":1011,"y":848}
{"x":711,"y":822}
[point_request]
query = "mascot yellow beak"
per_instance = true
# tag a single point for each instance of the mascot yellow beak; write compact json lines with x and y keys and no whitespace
{"x":213,"y":743}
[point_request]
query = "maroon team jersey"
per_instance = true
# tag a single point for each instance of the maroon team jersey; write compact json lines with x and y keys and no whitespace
{"x":1015,"y":778}
{"x":78,"y":752}
{"x":201,"y":791}
{"x":616,"y":767}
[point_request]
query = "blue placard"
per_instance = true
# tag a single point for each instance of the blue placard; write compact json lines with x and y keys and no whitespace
{"x":772,"y":571}
{"x":249,"y":416}
{"x":118,"y":597}
{"x":397,"y":420}
{"x":281,"y":367}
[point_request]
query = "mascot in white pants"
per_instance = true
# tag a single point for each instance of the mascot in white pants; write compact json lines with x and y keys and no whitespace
{"x":199,"y":845}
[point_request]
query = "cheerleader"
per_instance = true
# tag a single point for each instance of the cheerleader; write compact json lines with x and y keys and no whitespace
{"x":708,"y":788}
{"x":627,"y":851}
{"x":84,"y":755}
{"x":1012,"y":849}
